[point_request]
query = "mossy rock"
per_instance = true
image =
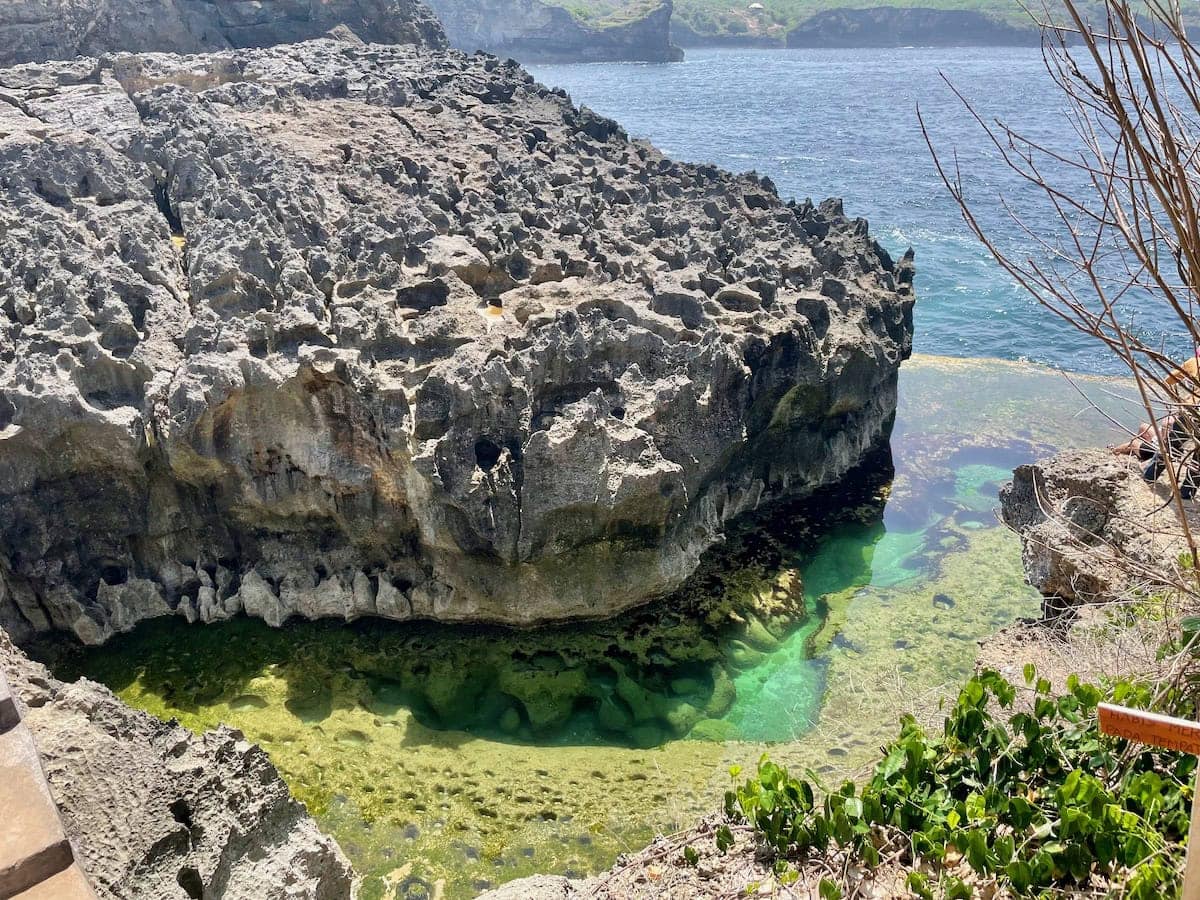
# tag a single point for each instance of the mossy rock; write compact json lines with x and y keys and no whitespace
{"x":757,"y":636}
{"x":453,"y":688}
{"x":723,"y":694}
{"x":548,"y":697}
{"x":742,"y":656}
{"x":510,"y":721}
{"x":717,"y":730}
{"x":647,"y":736}
{"x":687,"y":687}
{"x":614,"y":716}
{"x":681,"y":717}
{"x":643,"y":704}
{"x":310,"y":699}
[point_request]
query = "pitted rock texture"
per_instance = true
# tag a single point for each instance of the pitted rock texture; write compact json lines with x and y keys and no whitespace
{"x":533,"y":31}
{"x":1091,"y":527}
{"x":326,"y":330}
{"x":156,"y":812}
{"x":41,"y":30}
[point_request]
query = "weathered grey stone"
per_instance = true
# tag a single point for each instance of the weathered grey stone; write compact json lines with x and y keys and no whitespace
{"x":156,"y":812}
{"x":1091,"y":526}
{"x":40,"y":30}
{"x":339,"y":330}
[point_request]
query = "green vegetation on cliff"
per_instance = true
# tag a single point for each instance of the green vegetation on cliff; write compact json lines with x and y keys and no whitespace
{"x":765,"y":22}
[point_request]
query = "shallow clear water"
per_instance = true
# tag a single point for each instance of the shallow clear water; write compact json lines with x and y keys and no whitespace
{"x":403,"y":741}
{"x":843,"y":123}
{"x":446,"y":761}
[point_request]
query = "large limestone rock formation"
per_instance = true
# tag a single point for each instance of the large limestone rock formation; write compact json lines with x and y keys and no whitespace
{"x":40,"y":30}
{"x":326,"y":330}
{"x":533,"y":31}
{"x":156,"y":812}
{"x":1091,"y":526}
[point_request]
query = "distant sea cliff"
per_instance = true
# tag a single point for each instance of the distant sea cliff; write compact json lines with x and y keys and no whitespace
{"x":535,"y":32}
{"x":920,"y":27}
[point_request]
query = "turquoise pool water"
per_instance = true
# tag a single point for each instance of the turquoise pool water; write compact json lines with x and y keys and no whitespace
{"x":452,"y":759}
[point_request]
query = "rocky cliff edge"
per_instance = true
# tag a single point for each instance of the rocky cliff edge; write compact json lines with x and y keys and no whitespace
{"x":335,"y":330}
{"x":41,"y":30}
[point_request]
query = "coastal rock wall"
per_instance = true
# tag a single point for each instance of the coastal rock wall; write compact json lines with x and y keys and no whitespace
{"x":909,"y":27}
{"x":337,"y":331}
{"x":533,"y":31}
{"x":686,"y":36}
{"x":156,"y":812}
{"x":40,"y":30}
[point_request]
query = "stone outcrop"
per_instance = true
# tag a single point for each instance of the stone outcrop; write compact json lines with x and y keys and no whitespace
{"x":910,"y":27}
{"x":326,"y":330}
{"x":156,"y":812}
{"x":532,"y":31}
{"x":1089,"y":524}
{"x":40,"y":30}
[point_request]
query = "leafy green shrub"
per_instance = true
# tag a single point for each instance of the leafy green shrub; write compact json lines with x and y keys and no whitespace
{"x":1039,"y":801}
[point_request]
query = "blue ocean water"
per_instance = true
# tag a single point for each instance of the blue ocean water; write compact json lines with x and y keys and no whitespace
{"x":843,"y":123}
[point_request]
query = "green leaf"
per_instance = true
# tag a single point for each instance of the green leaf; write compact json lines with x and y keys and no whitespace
{"x":892,"y":763}
{"x":828,"y":890}
{"x":919,"y":885}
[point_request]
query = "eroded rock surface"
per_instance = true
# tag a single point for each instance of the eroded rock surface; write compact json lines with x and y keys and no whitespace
{"x":154,"y":811}
{"x":1091,"y":526}
{"x":326,"y":330}
{"x":40,"y":30}
{"x":533,"y":31}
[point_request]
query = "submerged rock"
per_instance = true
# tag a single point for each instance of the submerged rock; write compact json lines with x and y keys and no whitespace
{"x":154,"y":811}
{"x":333,"y":330}
{"x":1091,"y":526}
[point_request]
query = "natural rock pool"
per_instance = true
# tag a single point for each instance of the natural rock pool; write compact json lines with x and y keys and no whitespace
{"x":449,"y":760}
